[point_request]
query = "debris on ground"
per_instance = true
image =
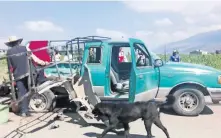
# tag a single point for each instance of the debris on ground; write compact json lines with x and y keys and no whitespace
{"x":54,"y":126}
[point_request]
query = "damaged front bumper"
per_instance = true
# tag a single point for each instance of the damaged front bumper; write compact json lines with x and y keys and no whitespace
{"x":215,"y":93}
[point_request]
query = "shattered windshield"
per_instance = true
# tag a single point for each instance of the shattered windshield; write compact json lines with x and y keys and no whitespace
{"x":154,"y":55}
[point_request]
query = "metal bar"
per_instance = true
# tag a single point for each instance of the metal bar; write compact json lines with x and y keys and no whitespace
{"x":71,"y":50}
{"x":12,"y":82}
{"x":82,"y":38}
{"x":72,"y":59}
{"x":77,"y":40}
{"x":88,"y":38}
{"x":48,"y":41}
{"x":52,"y":65}
{"x":56,"y":62}
{"x":23,"y":53}
{"x":48,"y":66}
{"x":85,"y":41}
{"x":30,"y":76}
{"x":69,"y":60}
{"x":78,"y":50}
{"x":58,"y":41}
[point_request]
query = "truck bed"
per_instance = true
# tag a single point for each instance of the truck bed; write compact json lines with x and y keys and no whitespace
{"x":64,"y":69}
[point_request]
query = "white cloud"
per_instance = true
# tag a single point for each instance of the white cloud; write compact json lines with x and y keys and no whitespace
{"x":196,"y":11}
{"x":179,"y":35}
{"x":189,"y":20}
{"x":114,"y":34}
{"x":148,"y":37}
{"x":164,"y":22}
{"x":42,"y":26}
{"x":157,"y":38}
{"x":2,"y":43}
{"x":143,"y":33}
{"x":153,"y":39}
{"x":186,"y":7}
{"x":144,"y":36}
{"x":5,"y":39}
{"x":198,"y":16}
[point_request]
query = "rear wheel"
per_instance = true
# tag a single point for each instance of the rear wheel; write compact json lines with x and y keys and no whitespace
{"x":189,"y":101}
{"x":215,"y":101}
{"x":42,"y":102}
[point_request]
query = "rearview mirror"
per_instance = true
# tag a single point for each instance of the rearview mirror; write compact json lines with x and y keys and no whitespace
{"x":158,"y":63}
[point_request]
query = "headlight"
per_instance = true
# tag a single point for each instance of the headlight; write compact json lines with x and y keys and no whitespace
{"x":219,"y":79}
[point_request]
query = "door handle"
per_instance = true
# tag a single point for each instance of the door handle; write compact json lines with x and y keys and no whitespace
{"x":140,"y":76}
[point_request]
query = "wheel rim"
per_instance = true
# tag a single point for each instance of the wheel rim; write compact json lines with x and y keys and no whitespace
{"x":188,"y":101}
{"x":38,"y":102}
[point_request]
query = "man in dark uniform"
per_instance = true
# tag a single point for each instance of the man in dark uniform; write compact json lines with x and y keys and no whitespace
{"x":175,"y":56}
{"x":20,"y":70}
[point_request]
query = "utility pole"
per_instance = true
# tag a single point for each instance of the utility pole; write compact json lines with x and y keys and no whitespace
{"x":165,"y":53}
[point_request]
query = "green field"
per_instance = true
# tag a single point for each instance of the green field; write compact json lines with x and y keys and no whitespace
{"x":208,"y":60}
{"x":3,"y":70}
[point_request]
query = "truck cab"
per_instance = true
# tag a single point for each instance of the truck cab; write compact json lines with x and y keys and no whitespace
{"x":122,"y":70}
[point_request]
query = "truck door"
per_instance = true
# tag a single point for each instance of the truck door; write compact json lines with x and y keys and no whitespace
{"x":144,"y":77}
{"x":96,"y":58}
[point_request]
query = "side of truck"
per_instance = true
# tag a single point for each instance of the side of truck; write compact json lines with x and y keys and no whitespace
{"x":143,"y":76}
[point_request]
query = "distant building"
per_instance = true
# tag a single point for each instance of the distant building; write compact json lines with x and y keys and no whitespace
{"x":2,"y":52}
{"x":198,"y":52}
{"x":218,"y":51}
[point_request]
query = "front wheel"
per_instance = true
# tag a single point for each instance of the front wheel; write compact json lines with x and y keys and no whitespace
{"x":42,"y":102}
{"x":188,"y":101}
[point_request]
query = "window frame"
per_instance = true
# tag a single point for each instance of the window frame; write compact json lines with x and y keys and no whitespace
{"x":125,"y":55}
{"x":101,"y":55}
{"x":142,"y":48}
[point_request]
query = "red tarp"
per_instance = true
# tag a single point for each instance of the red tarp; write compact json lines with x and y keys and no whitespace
{"x":42,"y":54}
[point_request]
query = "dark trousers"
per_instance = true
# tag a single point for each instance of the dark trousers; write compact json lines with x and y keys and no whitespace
{"x":22,"y":86}
{"x":40,"y":76}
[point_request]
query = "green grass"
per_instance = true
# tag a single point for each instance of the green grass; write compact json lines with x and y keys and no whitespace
{"x":3,"y":70}
{"x":208,"y":60}
{"x":3,"y":63}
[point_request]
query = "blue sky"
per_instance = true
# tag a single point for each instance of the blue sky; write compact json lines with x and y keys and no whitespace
{"x":155,"y":23}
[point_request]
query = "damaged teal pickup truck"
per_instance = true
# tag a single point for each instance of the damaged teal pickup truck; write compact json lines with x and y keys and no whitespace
{"x":140,"y":75}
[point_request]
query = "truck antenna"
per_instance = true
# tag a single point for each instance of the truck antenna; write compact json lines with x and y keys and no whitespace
{"x":165,"y":53}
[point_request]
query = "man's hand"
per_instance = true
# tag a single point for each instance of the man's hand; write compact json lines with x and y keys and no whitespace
{"x":47,"y":63}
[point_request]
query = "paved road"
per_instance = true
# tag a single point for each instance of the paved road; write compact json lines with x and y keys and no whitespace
{"x":206,"y":125}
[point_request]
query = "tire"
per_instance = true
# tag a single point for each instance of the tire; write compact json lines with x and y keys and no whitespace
{"x":48,"y":102}
{"x":198,"y":96}
{"x":215,"y":101}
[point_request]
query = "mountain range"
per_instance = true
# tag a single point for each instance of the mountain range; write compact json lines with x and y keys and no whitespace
{"x":207,"y":41}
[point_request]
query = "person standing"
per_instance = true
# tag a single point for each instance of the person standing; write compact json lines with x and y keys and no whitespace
{"x":19,"y":68}
{"x":92,"y":56}
{"x":57,"y":55}
{"x":175,"y":56}
{"x":66,"y":56}
{"x":122,"y":57}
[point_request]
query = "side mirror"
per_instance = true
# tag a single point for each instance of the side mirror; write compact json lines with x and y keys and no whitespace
{"x":158,"y":63}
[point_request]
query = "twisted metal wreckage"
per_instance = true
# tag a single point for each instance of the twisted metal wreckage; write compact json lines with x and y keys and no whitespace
{"x":78,"y":84}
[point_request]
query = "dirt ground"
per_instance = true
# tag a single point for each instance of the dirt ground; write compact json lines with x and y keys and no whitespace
{"x":207,"y":125}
